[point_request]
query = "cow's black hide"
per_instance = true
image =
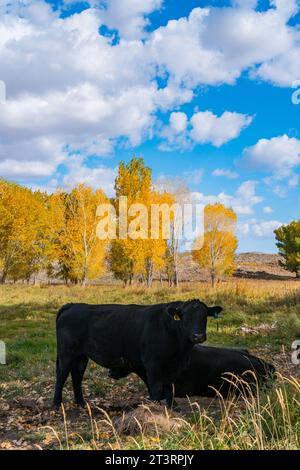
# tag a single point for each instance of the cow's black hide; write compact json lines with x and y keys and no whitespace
{"x":156,"y":340}
{"x":213,"y":371}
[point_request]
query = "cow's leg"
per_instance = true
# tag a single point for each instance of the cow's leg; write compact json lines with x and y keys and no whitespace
{"x":63,"y":368}
{"x":169,"y":391}
{"x":155,"y":384}
{"x":77,"y":372}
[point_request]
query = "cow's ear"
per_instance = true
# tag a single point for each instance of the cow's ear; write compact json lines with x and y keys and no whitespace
{"x":175,"y":313}
{"x":214,"y":312}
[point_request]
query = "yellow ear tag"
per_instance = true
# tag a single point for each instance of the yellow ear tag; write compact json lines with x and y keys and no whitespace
{"x":177,"y":317}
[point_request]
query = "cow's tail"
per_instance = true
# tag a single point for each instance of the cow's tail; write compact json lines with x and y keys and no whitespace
{"x":63,"y":309}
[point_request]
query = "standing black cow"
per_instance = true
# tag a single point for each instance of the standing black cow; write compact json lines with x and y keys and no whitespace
{"x":156,"y":340}
{"x":214,"y":371}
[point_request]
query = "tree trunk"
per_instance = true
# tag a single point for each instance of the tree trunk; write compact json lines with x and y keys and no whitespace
{"x":174,"y":275}
{"x":176,"y":281}
{"x":149,"y":280}
{"x":84,"y":275}
{"x":213,"y":279}
{"x":3,"y":277}
{"x":149,"y":272}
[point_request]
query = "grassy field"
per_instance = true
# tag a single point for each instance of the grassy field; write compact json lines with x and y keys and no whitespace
{"x":260,"y":315}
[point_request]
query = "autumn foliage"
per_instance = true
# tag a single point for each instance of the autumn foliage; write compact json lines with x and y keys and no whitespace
{"x":75,"y":245}
{"x":220,"y":243}
{"x":138,"y":257}
{"x":57,"y":233}
{"x":23,"y":231}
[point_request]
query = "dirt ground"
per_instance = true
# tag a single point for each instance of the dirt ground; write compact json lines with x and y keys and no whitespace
{"x":29,"y":422}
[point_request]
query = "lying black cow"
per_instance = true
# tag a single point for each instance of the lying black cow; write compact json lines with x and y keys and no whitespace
{"x":156,"y":340}
{"x":212,"y":371}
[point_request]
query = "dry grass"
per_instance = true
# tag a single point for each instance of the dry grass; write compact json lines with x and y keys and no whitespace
{"x":261,"y":421}
{"x":27,"y":320}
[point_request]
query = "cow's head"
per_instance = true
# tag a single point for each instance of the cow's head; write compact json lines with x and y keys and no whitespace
{"x":192,"y":318}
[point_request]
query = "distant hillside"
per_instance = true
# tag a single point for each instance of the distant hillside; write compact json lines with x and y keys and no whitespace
{"x":261,"y":266}
{"x":249,"y":265}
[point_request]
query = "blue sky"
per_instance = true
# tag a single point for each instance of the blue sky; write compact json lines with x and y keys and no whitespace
{"x":201,"y":89}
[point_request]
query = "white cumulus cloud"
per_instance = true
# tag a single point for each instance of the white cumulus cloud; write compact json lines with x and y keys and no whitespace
{"x":259,"y":228}
{"x":204,"y":128}
{"x":97,"y":177}
{"x":242,"y":201}
{"x":209,"y":128}
{"x":279,"y":156}
{"x":89,"y":93}
{"x":226,"y":173}
{"x":178,"y":122}
{"x":268,"y":210}
{"x":276,"y":154}
{"x":129,"y":17}
{"x":215,"y":45}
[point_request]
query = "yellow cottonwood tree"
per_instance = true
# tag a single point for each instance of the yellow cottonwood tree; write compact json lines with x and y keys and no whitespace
{"x":220,"y":242}
{"x":133,"y":181}
{"x":152,"y":251}
{"x":140,"y":256}
{"x":23,"y":224}
{"x":80,"y":253}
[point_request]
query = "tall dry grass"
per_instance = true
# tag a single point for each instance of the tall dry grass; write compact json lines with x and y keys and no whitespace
{"x":258,"y":420}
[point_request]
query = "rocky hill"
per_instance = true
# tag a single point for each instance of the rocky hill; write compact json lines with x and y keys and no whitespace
{"x":249,"y":265}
